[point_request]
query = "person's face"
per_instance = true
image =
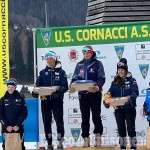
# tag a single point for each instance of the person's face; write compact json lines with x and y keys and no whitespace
{"x":50,"y":62}
{"x":87,"y":55}
{"x":122,"y":73}
{"x":11,"y":89}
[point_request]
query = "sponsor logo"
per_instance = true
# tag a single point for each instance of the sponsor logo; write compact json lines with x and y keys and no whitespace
{"x":74,"y":116}
{"x":69,"y":76}
{"x":143,"y":93}
{"x":81,"y":71}
{"x":92,"y":70}
{"x":119,"y":51}
{"x":141,"y":133}
{"x":75,"y":133}
{"x":144,"y":70}
{"x":103,"y":117}
{"x":73,"y":96}
{"x":99,"y":56}
{"x":142,"y":51}
{"x":46,"y":37}
{"x":73,"y":55}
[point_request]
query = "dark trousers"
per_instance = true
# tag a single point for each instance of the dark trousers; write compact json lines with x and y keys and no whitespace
{"x":56,"y":107}
{"x":125,"y":119}
{"x":91,"y":101}
{"x":22,"y":137}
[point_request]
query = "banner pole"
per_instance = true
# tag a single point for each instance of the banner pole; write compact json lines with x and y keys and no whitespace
{"x":34,"y":54}
{"x":35,"y":63}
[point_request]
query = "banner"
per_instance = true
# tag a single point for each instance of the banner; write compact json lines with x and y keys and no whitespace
{"x":4,"y":46}
{"x":94,"y":34}
{"x":110,"y":43}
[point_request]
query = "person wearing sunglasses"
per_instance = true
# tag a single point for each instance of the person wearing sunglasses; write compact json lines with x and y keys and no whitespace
{"x":13,"y":111}
{"x":124,"y":85}
{"x":90,"y":69}
{"x":53,"y":75}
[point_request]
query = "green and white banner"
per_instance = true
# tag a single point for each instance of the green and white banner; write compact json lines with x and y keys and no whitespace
{"x":111,"y":43}
{"x":93,"y":35}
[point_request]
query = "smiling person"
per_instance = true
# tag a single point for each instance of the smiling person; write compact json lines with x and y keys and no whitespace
{"x":124,"y":85}
{"x":90,"y":69}
{"x":53,"y":75}
{"x":13,"y":111}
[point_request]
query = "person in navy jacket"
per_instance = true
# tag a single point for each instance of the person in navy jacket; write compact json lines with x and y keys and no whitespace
{"x":53,"y":75}
{"x":124,"y":85}
{"x":13,"y":111}
{"x":90,"y":69}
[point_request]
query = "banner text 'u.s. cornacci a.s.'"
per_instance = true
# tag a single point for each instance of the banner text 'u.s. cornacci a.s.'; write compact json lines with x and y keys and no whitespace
{"x":4,"y":46}
{"x":92,"y":35}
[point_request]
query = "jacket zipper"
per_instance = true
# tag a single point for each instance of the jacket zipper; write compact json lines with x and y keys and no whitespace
{"x":121,"y":88}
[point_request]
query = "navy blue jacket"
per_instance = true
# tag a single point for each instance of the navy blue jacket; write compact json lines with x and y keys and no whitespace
{"x":129,"y":87}
{"x":13,"y":110}
{"x":91,"y":69}
{"x":146,"y":105}
{"x":53,"y":77}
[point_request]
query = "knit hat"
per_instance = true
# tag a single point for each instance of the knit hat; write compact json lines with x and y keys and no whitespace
{"x":122,"y":64}
{"x":87,"y":49}
{"x":11,"y":82}
{"x":51,"y":54}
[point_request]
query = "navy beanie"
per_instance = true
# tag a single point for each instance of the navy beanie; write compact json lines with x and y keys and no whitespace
{"x":122,"y":64}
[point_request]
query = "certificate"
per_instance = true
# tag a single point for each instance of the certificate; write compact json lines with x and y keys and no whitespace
{"x":118,"y":101}
{"x":44,"y":91}
{"x":82,"y":85}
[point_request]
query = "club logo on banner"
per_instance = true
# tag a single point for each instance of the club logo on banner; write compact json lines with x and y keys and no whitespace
{"x":144,"y":70}
{"x":75,"y":133}
{"x":73,"y":55}
{"x":46,"y":36}
{"x":119,"y":51}
{"x":142,"y":51}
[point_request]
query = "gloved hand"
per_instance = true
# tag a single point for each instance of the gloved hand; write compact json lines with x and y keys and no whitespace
{"x":129,"y":101}
{"x":56,"y":94}
{"x":105,"y":104}
{"x":35,"y":95}
{"x":71,"y":90}
{"x":107,"y":95}
{"x":43,"y":98}
{"x":93,"y":89}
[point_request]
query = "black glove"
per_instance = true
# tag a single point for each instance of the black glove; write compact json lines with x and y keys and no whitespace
{"x":129,"y":101}
{"x":56,"y":94}
{"x":106,"y":105}
{"x":35,"y":95}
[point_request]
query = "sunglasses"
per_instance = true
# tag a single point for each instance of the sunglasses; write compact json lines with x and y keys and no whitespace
{"x":86,"y":50}
{"x":11,"y":82}
{"x":50,"y":54}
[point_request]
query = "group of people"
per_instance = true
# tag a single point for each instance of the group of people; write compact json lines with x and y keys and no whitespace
{"x":13,"y":110}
